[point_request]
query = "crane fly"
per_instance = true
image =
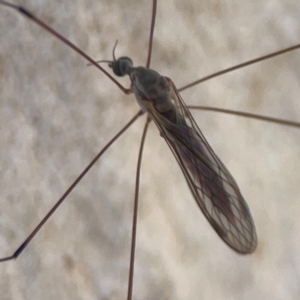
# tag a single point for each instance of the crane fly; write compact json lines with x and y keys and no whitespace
{"x":213,"y":187}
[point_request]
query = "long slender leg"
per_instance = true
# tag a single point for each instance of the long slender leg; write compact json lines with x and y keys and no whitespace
{"x":68,"y":191}
{"x":247,"y":115}
{"x":135,"y":212}
{"x":151,"y":33}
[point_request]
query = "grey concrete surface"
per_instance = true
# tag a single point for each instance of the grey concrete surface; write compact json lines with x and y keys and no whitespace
{"x":56,"y":113}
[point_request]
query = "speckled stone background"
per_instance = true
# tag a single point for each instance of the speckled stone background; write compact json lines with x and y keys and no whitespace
{"x":56,"y":113}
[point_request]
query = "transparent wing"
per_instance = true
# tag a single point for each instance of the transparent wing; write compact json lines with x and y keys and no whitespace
{"x":213,"y":187}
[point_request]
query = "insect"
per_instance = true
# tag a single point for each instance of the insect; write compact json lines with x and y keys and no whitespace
{"x":82,"y":206}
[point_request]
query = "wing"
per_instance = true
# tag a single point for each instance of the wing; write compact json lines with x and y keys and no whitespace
{"x":213,"y":187}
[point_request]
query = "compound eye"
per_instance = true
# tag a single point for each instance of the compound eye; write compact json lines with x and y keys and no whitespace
{"x":121,"y":65}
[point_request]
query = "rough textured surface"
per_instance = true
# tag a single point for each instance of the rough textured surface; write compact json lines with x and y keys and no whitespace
{"x":56,"y":113}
